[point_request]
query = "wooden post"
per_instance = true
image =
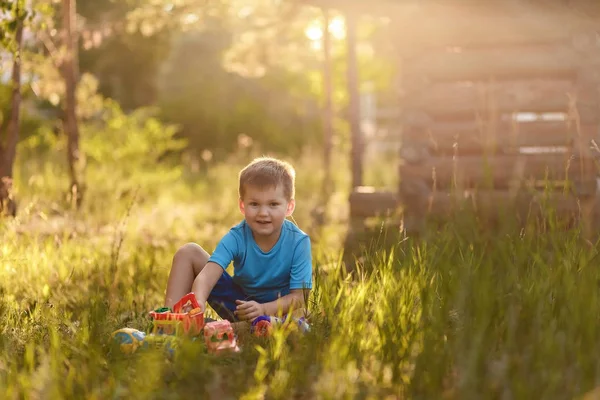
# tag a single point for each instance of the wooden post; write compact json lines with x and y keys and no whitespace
{"x":354,"y":100}
{"x":328,"y":107}
{"x":70,"y":70}
{"x":8,"y":153}
{"x":356,"y":228}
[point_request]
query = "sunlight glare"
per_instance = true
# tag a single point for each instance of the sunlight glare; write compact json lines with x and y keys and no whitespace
{"x":190,"y":19}
{"x":314,"y":32}
{"x":337,"y":27}
{"x":245,"y":11}
{"x":316,"y":45}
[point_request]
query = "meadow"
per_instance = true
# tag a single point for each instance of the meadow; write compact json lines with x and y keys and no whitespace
{"x":469,"y":313}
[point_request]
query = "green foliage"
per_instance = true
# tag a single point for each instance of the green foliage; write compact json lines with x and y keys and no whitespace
{"x":13,"y":13}
{"x":106,"y":42}
{"x":29,"y":123}
{"x":132,"y":84}
{"x":135,"y":150}
{"x":139,"y":31}
{"x":125,"y":141}
{"x":134,"y":140}
{"x":127,"y":155}
{"x":214,"y":106}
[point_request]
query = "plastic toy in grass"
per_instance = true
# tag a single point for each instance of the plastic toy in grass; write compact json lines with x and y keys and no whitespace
{"x":131,"y":340}
{"x":263,"y":326}
{"x":186,"y":318}
{"x":128,"y":339}
{"x":167,"y":343}
{"x":219,"y":337}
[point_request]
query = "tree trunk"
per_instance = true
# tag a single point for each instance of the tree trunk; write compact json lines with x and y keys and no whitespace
{"x":70,"y":72}
{"x":319,"y":212}
{"x":354,"y":100}
{"x":9,"y":151}
{"x":328,"y":109}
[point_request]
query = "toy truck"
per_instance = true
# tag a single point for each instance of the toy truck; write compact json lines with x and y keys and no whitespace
{"x":219,"y":337}
{"x":186,"y":318}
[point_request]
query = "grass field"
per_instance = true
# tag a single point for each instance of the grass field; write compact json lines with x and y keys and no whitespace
{"x":468,"y":314}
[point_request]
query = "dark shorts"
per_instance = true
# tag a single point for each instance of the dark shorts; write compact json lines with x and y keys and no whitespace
{"x":223,"y":296}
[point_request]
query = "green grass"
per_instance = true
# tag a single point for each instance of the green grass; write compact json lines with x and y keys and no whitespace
{"x":468,"y":314}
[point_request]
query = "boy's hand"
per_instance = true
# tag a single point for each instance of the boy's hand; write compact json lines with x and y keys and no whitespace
{"x":248,"y":310}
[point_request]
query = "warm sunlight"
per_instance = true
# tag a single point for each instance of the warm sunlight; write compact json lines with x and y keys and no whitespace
{"x":337,"y":28}
{"x":314,"y":32}
{"x":190,"y":18}
{"x":300,"y":198}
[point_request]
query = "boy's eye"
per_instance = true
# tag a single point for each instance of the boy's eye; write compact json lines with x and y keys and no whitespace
{"x":274,"y":204}
{"x":253,"y":204}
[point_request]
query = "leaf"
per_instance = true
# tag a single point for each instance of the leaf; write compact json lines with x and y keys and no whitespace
{"x":12,"y":25}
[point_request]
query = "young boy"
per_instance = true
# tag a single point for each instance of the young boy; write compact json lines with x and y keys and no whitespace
{"x":271,"y":256}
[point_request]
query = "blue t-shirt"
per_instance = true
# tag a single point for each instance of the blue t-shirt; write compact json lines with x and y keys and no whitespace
{"x":266,"y":276}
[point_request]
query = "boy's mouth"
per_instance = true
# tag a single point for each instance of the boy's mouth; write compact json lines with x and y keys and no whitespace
{"x":263,"y":222}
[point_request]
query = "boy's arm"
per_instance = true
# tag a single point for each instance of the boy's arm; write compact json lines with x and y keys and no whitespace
{"x":300,"y":283}
{"x":287,"y":303}
{"x":206,"y":281}
{"x":224,"y":253}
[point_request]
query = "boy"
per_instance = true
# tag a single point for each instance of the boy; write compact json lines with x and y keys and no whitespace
{"x":271,"y":257}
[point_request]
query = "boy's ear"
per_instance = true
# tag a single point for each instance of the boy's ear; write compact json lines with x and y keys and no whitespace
{"x":290,"y":207}
{"x":241,"y":205}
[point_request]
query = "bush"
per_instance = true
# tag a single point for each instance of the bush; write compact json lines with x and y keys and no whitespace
{"x":214,"y":107}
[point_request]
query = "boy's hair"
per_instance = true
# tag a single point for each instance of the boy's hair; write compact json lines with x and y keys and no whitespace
{"x":267,"y":171}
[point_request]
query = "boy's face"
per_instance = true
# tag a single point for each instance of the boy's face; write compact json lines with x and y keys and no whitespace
{"x":265,"y":209}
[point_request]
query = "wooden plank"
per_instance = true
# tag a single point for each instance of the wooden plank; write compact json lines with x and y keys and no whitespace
{"x":473,"y":137}
{"x":520,"y":207}
{"x":368,"y":202}
{"x":456,"y":99}
{"x":500,"y":171}
{"x":537,"y":60}
{"x":495,"y":201}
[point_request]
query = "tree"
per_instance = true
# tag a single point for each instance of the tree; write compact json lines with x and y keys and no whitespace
{"x":13,"y":40}
{"x":141,"y":32}
{"x":70,"y":75}
{"x":63,"y":51}
{"x":110,"y":36}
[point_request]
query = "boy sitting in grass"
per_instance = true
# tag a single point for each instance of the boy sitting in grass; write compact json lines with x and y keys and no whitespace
{"x":271,"y":256}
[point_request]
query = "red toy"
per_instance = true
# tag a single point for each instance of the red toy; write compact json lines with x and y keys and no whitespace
{"x":186,"y":318}
{"x":219,"y":337}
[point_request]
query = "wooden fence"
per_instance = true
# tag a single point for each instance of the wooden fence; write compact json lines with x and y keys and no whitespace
{"x":497,"y":112}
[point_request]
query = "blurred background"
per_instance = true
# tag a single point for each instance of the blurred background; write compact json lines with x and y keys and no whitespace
{"x":149,"y":98}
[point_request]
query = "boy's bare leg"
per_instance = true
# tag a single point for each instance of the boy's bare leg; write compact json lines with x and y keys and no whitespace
{"x":188,"y":261}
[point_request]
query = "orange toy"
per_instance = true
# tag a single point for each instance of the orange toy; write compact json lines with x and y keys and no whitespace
{"x":187,"y":318}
